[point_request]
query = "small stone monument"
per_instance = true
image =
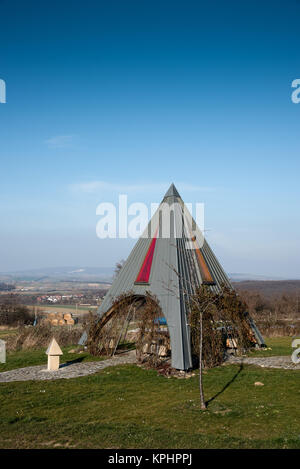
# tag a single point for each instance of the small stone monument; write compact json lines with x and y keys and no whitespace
{"x":2,"y":351}
{"x":53,"y":352}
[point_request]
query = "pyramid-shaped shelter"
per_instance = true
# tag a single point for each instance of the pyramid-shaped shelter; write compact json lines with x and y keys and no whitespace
{"x":169,"y":261}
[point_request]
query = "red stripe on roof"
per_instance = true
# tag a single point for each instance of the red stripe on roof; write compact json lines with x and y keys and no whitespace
{"x":144,"y":273}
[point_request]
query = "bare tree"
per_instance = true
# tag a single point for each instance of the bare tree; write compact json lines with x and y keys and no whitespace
{"x":216,"y":320}
{"x":202,"y":400}
{"x":118,"y":267}
{"x":201,"y":303}
{"x":201,"y":306}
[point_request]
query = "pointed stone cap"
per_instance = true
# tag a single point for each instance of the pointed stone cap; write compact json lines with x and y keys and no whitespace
{"x":53,"y":348}
{"x":172,"y":192}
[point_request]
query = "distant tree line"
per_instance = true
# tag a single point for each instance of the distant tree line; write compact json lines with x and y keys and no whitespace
{"x":6,"y":286}
{"x":274,"y":315}
{"x":12,"y":314}
{"x":89,"y":296}
{"x":286,"y":306}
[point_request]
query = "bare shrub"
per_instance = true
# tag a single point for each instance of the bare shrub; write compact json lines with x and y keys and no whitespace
{"x":105,"y":333}
{"x":150,"y":338}
{"x":111,"y":330}
{"x":87,"y":319}
{"x":224,"y":318}
{"x":278,"y":328}
{"x":30,"y":337}
{"x":275,"y":315}
{"x":14,"y":315}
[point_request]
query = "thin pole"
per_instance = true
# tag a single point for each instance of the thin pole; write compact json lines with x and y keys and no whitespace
{"x":202,"y":400}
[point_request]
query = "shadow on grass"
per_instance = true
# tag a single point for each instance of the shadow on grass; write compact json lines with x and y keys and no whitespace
{"x":72,"y":362}
{"x":226,"y":385}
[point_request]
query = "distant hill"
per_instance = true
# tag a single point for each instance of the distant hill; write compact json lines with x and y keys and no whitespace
{"x":264,"y":284}
{"x":238,"y":277}
{"x":82,"y":274}
{"x":269,"y":288}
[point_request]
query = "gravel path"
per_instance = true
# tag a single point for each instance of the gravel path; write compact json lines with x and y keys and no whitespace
{"x":72,"y":370}
{"x":267,"y":362}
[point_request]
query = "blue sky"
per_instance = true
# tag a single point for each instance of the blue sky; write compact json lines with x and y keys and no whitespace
{"x":135,"y":95}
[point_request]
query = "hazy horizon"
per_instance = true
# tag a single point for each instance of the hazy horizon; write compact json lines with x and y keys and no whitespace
{"x":109,"y":270}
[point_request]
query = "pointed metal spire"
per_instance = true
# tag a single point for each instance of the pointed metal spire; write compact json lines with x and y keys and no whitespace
{"x":172,"y":192}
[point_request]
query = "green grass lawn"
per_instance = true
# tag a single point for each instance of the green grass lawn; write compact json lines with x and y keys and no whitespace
{"x":129,"y":407}
{"x":278,"y":346}
{"x":31,"y":357}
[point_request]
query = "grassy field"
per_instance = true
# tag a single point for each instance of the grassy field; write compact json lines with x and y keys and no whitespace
{"x":25,"y":358}
{"x":20,"y":359}
{"x":275,"y":346}
{"x":65,"y":308}
{"x":129,"y":407}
